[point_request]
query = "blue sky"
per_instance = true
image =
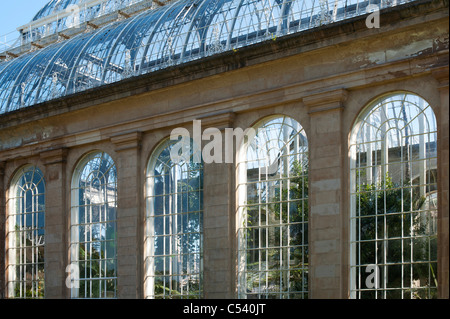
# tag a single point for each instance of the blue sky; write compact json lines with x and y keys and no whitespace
{"x":15,"y":13}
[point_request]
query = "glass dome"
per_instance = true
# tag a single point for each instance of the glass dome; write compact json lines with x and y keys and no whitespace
{"x":181,"y":31}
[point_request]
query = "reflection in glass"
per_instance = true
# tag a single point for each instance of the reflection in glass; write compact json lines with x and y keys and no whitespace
{"x":273,"y":197}
{"x":393,"y":196}
{"x":93,"y":227}
{"x":26,"y":234}
{"x":174,"y":236}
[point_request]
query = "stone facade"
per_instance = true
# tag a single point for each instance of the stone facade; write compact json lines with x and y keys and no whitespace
{"x":322,"y":78}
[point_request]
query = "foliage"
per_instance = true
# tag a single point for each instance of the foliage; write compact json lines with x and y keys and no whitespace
{"x":32,"y":286}
{"x":92,"y":271}
{"x":286,"y":215}
{"x":183,"y":222}
{"x":395,"y":231}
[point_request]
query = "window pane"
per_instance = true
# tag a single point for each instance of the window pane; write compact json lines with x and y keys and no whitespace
{"x":26,"y":234}
{"x":393,"y":183}
{"x":273,"y":241}
{"x":174,"y":226}
{"x":94,"y":229}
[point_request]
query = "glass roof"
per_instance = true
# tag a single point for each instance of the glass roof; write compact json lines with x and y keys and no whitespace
{"x":55,"y":6}
{"x":95,"y":6}
{"x":181,"y":31}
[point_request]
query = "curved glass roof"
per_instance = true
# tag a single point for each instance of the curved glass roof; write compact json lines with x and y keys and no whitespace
{"x":96,"y":6}
{"x":179,"y":32}
{"x":54,"y":6}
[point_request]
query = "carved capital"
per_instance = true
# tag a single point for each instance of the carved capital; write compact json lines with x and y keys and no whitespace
{"x":127,"y":141}
{"x":326,"y":101}
{"x":220,"y":120}
{"x":441,"y":75}
{"x":54,"y":156}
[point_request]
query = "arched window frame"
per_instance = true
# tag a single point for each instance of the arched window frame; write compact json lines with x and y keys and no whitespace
{"x":374,"y":280}
{"x":180,"y":227}
{"x":26,"y":234}
{"x":94,"y":277}
{"x":292,"y":248}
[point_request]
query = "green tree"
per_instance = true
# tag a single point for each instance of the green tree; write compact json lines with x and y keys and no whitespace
{"x":92,"y":271}
{"x":394,"y":231}
{"x":287,"y":216}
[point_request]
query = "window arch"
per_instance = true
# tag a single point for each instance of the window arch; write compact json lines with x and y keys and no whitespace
{"x":26,"y":234}
{"x":93,"y":229}
{"x":174,"y":224}
{"x":273,"y":211}
{"x":394,"y":199}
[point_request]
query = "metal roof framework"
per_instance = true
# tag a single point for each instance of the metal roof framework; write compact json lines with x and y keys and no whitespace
{"x":179,"y":32}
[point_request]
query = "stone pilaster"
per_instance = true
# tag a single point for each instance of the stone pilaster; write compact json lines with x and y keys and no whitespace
{"x":325,"y":192}
{"x":56,"y":218}
{"x":130,"y":219}
{"x":218,"y":217}
{"x":2,"y":229}
{"x":442,"y":77}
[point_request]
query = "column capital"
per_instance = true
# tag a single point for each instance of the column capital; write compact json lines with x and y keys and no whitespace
{"x":54,"y":156}
{"x":332,"y":100}
{"x":441,"y":75}
{"x":127,"y":141}
{"x":220,"y":120}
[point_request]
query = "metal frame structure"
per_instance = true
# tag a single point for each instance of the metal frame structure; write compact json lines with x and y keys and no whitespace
{"x":273,"y":212}
{"x":61,"y":15}
{"x":174,"y":227}
{"x":93,"y":227}
{"x":26,"y":234}
{"x":394,"y":200}
{"x":176,"y":33}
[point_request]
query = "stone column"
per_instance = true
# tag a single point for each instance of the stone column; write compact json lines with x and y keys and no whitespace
{"x":218,"y":218}
{"x":442,"y":75}
{"x":129,"y":216}
{"x":2,"y":229}
{"x":325,"y":192}
{"x":56,"y":218}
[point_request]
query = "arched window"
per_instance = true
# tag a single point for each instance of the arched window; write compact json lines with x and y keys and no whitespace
{"x":394,"y":200}
{"x":273,"y":211}
{"x":26,"y":220}
{"x":174,"y":225}
{"x":93,"y":230}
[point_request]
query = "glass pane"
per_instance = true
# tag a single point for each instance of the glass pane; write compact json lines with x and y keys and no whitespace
{"x":275,"y":210}
{"x":175,"y":210}
{"x":27,"y":231}
{"x":399,"y":187}
{"x":95,"y":240}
